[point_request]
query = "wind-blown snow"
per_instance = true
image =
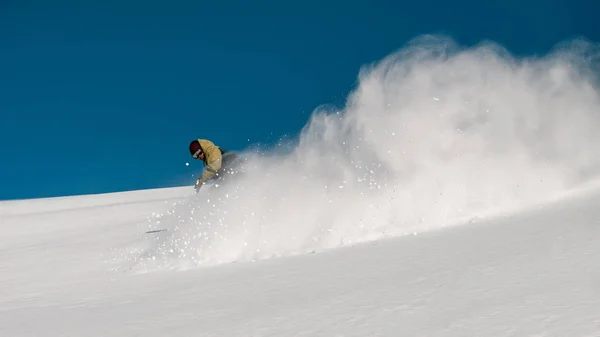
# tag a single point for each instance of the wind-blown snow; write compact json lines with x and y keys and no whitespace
{"x":433,"y":135}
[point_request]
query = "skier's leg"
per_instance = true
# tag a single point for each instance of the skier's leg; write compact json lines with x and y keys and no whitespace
{"x":229,"y":158}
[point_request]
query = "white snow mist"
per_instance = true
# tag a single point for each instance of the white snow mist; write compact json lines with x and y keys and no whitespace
{"x":432,"y":135}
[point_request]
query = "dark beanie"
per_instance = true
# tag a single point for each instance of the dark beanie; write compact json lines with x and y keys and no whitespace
{"x":194,"y":146}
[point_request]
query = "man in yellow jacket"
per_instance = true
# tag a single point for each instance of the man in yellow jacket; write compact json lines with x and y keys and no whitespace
{"x":215,"y":159}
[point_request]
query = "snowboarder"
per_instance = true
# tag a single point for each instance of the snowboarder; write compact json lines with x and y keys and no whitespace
{"x":216,"y":160}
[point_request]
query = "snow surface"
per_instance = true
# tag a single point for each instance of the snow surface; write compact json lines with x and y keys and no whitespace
{"x":455,"y":195}
{"x":532,"y":273}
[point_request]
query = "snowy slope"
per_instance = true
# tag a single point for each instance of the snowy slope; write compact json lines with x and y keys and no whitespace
{"x":529,"y":274}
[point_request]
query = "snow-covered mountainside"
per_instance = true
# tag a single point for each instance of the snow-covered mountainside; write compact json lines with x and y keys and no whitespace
{"x":66,"y":271}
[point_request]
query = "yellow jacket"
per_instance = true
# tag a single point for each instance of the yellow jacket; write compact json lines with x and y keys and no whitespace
{"x":212,"y":160}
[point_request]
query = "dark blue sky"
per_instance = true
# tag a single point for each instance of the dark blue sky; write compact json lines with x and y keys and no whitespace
{"x":105,"y":96}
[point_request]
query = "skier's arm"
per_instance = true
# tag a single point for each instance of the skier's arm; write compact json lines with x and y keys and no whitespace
{"x":210,"y":170}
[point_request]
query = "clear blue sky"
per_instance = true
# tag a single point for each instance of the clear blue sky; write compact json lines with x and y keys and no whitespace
{"x":105,"y":96}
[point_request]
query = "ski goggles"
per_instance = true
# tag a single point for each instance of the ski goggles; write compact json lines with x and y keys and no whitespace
{"x":197,"y":154}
